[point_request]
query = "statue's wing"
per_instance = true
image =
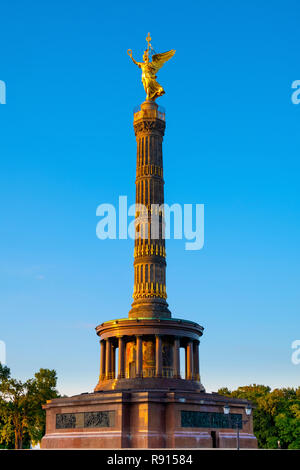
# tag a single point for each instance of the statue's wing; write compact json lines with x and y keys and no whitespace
{"x":158,"y":60}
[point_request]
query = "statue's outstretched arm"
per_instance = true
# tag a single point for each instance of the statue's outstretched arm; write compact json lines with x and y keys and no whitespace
{"x":129,"y":52}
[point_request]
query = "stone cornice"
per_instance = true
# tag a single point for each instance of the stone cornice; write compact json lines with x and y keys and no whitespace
{"x":150,"y":326}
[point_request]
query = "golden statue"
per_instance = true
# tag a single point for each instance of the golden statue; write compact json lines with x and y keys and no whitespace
{"x":149,"y":69}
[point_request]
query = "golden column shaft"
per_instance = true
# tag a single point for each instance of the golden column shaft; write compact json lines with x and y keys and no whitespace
{"x":139,"y":356}
{"x":102,"y":359}
{"x":189,"y":360}
{"x":158,"y":356}
{"x":121,"y":358}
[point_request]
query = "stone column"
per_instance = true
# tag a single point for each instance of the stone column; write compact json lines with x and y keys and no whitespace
{"x":189,"y":360}
{"x":121,"y":362}
{"x":149,"y":291}
{"x":139,"y":356}
{"x":113,"y":361}
{"x":102,"y":359}
{"x":196,"y":360}
{"x":185,"y":363}
{"x":158,"y":356}
{"x":108,"y":359}
{"x":176,"y":356}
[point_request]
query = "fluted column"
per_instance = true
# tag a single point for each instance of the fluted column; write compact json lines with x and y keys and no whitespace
{"x":102,"y":360}
{"x":196,"y":361}
{"x":158,"y":356}
{"x":189,"y":360}
{"x":139,"y":356}
{"x":176,"y":356}
{"x":108,"y":359}
{"x":121,"y":360}
{"x":149,"y":291}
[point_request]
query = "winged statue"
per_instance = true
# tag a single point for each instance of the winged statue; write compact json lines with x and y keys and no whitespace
{"x":149,"y":69}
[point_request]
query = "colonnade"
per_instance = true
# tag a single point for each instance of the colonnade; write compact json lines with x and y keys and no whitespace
{"x":110,"y":345}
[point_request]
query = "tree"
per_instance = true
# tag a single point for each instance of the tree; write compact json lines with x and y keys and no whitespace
{"x":21,"y":405}
{"x":4,"y":372}
{"x":276,"y":416}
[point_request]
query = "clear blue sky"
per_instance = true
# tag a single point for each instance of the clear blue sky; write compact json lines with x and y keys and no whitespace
{"x":232,"y":143}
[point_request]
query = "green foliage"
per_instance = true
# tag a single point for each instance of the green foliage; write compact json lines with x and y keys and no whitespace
{"x":276,"y":416}
{"x":22,"y":418}
{"x":4,"y":372}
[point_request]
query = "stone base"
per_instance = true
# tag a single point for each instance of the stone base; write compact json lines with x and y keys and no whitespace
{"x":141,"y":419}
{"x":150,"y":383}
